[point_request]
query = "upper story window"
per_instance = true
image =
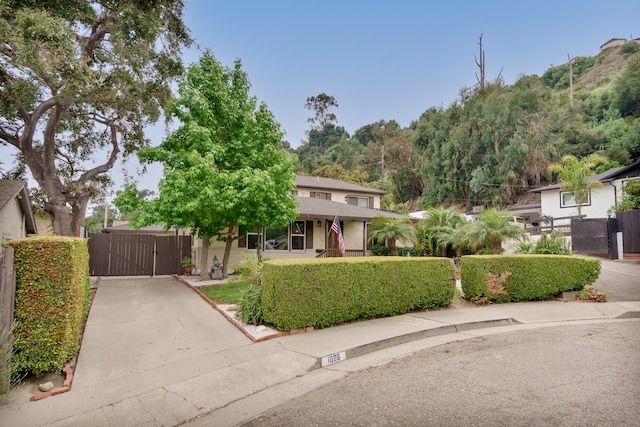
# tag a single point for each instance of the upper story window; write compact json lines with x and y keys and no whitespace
{"x":320,"y":195}
{"x":363,"y":202}
{"x":568,"y":200}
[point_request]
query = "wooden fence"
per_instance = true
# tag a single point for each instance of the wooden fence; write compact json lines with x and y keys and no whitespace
{"x":137,"y":254}
{"x":629,"y":226}
{"x":7,"y":303}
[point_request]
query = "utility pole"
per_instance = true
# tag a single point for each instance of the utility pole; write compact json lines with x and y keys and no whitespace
{"x":570,"y":78}
{"x":481,"y":65}
{"x":106,"y":212}
{"x":382,"y":163}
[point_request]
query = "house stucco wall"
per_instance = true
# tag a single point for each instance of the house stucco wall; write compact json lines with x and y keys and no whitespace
{"x":12,"y":221}
{"x":339,"y":196}
{"x":602,"y":199}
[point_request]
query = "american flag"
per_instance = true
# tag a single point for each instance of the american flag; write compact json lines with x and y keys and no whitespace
{"x":335,"y":227}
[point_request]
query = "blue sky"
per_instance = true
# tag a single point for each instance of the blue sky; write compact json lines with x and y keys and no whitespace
{"x":393,"y":60}
{"x":388,"y":60}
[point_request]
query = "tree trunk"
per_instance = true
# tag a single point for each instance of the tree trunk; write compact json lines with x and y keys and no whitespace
{"x":227,"y":254}
{"x":204,"y":271}
{"x":393,"y":250}
{"x":496,"y":247}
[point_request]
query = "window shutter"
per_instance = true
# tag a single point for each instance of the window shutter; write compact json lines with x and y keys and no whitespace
{"x":370,"y":202}
{"x":309,"y":236}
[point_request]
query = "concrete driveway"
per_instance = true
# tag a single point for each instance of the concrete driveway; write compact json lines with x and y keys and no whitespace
{"x":620,"y":280}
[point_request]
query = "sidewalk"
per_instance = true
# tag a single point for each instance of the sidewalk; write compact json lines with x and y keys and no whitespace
{"x":155,"y":353}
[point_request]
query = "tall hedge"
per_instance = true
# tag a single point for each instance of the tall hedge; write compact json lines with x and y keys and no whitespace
{"x":325,"y":292}
{"x":513,"y":278}
{"x":52,"y":294}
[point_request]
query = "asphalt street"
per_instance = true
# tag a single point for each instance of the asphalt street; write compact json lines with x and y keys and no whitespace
{"x":573,"y":375}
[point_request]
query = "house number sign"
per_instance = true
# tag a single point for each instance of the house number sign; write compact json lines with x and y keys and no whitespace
{"x":333,"y":358}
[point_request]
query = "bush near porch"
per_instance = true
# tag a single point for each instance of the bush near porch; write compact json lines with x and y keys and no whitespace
{"x":513,"y":278}
{"x":52,"y":300}
{"x":330,"y":291}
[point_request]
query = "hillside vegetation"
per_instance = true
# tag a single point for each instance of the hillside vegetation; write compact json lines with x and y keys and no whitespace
{"x":494,"y":143}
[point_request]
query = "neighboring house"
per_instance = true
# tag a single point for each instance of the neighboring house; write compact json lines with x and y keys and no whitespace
{"x":556,"y":203}
{"x":321,"y":200}
{"x":16,"y":215}
{"x":612,"y":43}
{"x":529,"y":214}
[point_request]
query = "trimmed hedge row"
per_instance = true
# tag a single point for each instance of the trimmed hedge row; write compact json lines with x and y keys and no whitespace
{"x":513,"y":278}
{"x":330,"y":291}
{"x":52,"y":299}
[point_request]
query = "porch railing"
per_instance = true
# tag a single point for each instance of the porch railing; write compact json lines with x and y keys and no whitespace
{"x":334,"y":253}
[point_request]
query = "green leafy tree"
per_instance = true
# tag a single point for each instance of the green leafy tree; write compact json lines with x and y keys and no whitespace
{"x":491,"y":228}
{"x":224,"y":168}
{"x":627,"y":89}
{"x":390,"y":230}
{"x":630,"y":196}
{"x":574,"y":174}
{"x":81,"y":79}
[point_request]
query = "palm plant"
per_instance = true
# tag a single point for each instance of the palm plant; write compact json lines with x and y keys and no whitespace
{"x":574,"y":174}
{"x":439,"y":227}
{"x":493,"y":226}
{"x":390,"y":230}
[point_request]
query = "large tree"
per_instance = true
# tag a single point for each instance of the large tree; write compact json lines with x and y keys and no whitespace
{"x":321,"y":106}
{"x":224,"y":168}
{"x":80,"y":80}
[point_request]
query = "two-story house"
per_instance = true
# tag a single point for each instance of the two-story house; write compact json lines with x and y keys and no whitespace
{"x":321,"y":200}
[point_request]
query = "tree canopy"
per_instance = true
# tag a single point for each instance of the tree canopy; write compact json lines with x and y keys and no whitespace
{"x":80,"y":81}
{"x":224,"y":168}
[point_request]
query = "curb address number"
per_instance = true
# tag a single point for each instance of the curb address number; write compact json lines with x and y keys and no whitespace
{"x":334,"y":358}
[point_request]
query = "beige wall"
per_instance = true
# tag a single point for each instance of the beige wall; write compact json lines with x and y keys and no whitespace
{"x":12,"y":221}
{"x":339,"y":196}
{"x":353,"y":238}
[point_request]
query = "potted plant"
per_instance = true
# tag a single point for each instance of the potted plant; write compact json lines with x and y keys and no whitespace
{"x":187,"y":265}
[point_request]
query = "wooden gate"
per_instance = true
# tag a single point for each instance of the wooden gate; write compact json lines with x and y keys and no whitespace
{"x":590,"y":236}
{"x":629,"y":226}
{"x":137,"y":254}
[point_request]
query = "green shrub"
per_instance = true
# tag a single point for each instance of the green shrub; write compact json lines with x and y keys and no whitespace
{"x":330,"y":291}
{"x":554,"y":244}
{"x":629,"y":48}
{"x":52,"y":297}
{"x":512,"y":278}
{"x":250,"y":305}
{"x":412,"y":252}
{"x":380,"y":250}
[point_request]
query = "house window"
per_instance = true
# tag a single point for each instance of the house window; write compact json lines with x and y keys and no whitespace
{"x":568,"y":200}
{"x":253,"y":238}
{"x":320,"y":195}
{"x":297,"y":235}
{"x":359,"y":201}
{"x":294,"y":192}
{"x":277,"y":239}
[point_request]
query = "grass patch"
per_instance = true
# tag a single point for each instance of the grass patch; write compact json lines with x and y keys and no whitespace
{"x":229,"y":293}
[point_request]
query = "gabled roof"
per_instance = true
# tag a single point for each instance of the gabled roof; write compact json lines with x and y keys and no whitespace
{"x":10,"y":189}
{"x":326,"y":209}
{"x":333,"y":184}
{"x":612,"y":40}
{"x":629,"y":171}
